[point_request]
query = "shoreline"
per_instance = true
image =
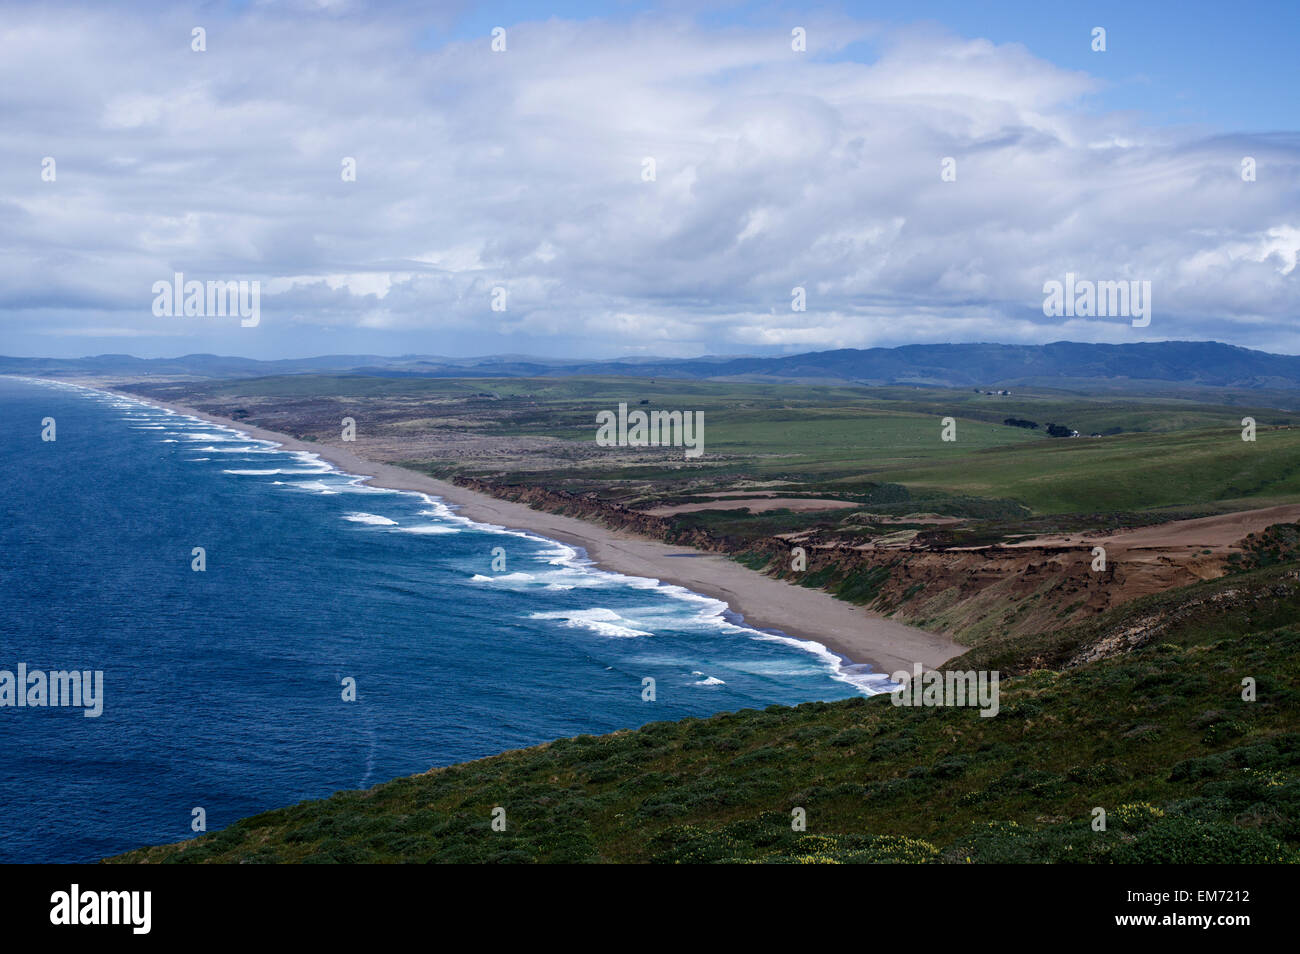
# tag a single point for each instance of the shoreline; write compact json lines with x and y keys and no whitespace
{"x":764,"y":603}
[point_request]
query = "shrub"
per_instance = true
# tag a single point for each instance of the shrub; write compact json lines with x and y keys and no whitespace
{"x":1178,"y":840}
{"x":1134,"y":816}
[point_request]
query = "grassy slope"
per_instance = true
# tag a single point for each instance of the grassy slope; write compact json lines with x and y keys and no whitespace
{"x":1160,"y":738}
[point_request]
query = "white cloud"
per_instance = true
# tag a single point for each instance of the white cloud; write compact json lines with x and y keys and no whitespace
{"x":523,"y":169}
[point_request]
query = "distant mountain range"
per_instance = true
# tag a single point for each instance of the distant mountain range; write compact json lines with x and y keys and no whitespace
{"x":1063,"y":364}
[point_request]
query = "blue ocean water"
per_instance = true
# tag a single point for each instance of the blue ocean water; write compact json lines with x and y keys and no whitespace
{"x":223,"y":689}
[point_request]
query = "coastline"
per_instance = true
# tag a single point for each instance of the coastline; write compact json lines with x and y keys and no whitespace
{"x":764,"y":603}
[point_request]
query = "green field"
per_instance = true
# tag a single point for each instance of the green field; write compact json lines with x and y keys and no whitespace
{"x":1126,"y":472}
{"x":1157,"y":451}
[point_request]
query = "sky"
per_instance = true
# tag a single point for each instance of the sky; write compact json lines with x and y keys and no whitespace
{"x":638,"y":179}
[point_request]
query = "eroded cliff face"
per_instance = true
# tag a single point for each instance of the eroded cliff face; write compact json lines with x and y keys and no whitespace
{"x":991,"y":591}
{"x":1150,"y":627}
{"x":968,"y":593}
{"x":591,"y":508}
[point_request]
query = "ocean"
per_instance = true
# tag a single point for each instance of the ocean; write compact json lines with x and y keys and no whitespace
{"x":224,"y":689}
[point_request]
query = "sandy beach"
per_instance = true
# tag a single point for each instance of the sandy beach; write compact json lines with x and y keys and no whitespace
{"x":765,"y":603}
